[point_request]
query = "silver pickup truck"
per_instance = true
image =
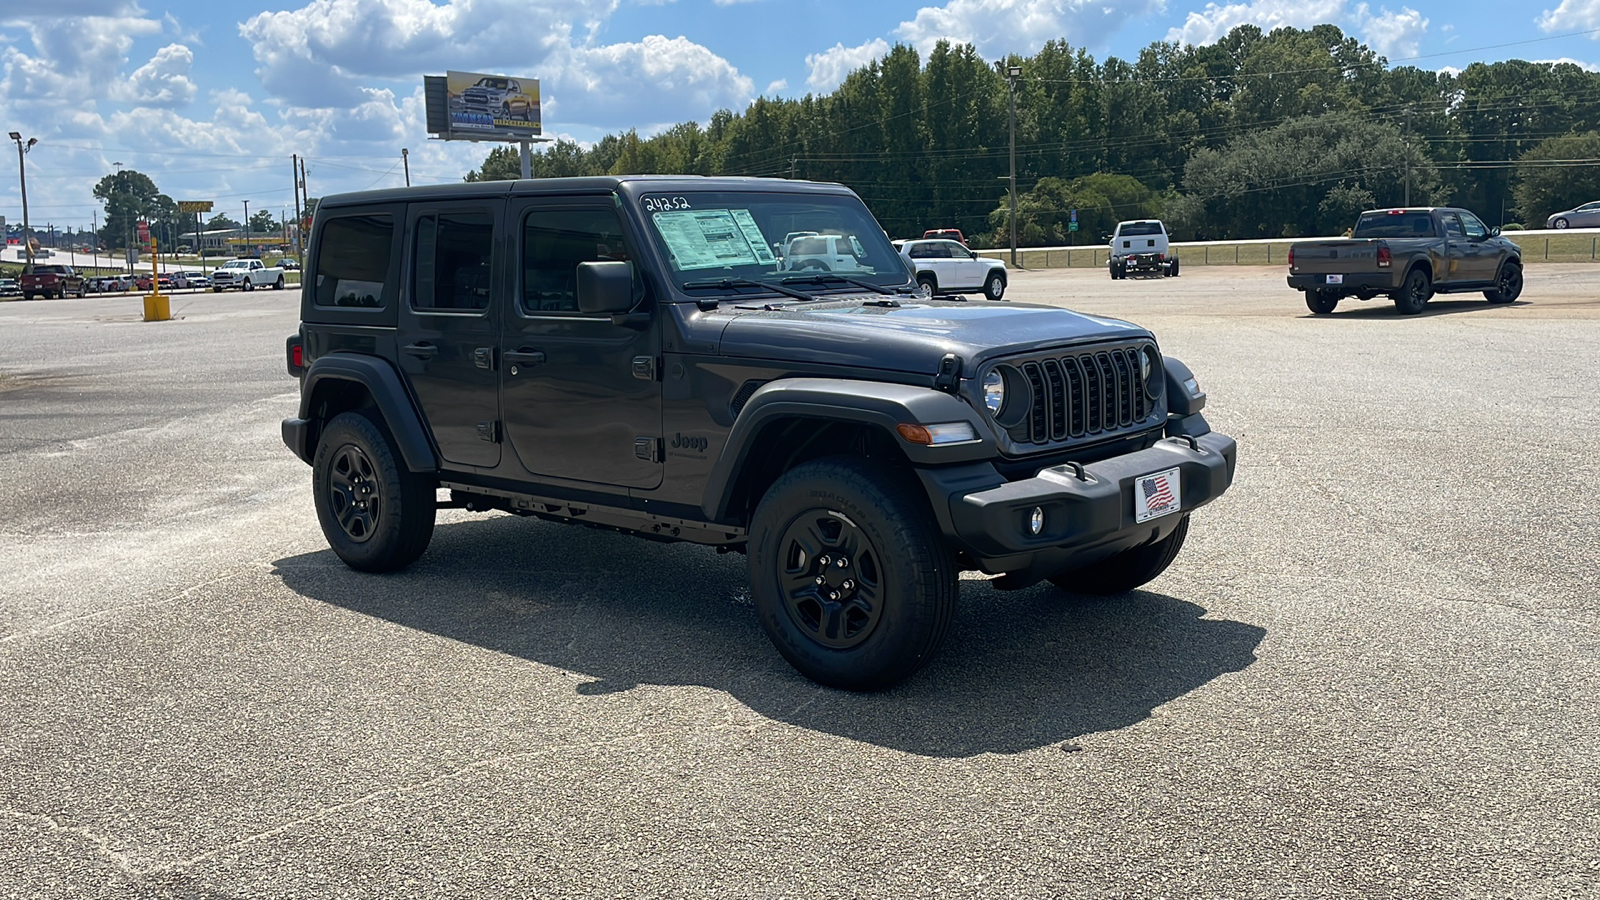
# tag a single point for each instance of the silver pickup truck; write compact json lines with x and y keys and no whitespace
{"x":1407,"y":255}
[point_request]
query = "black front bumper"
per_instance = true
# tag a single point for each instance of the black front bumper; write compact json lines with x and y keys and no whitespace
{"x":1088,"y":511}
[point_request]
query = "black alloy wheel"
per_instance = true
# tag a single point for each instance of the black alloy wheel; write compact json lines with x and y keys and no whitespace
{"x":1507,"y":285}
{"x":852,"y":580}
{"x":1414,"y":293}
{"x":377,"y":515}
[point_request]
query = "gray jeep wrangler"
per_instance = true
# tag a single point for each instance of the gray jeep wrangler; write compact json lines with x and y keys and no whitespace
{"x":633,"y":354}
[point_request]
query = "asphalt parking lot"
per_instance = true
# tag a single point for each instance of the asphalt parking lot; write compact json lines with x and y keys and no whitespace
{"x":1373,"y":672}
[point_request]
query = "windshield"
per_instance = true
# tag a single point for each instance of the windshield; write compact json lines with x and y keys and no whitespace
{"x":713,"y":235}
{"x":236,"y":264}
{"x":1130,"y":229}
{"x":1394,"y":225}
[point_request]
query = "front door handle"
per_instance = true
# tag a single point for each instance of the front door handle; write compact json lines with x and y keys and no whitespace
{"x":421,"y":350}
{"x":524,"y":356}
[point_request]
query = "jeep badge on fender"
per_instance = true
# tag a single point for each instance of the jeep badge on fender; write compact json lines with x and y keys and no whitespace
{"x":860,"y":443}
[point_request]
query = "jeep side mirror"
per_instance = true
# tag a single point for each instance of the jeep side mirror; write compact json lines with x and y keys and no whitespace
{"x":605,"y":287}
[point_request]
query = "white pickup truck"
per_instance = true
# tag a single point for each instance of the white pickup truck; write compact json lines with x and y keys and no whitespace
{"x":247,"y":275}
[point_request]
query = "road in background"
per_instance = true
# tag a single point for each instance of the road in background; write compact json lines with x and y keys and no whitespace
{"x":1372,"y":672}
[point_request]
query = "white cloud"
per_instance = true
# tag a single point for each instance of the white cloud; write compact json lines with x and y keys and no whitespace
{"x":1572,"y":15}
{"x":1022,"y":26}
{"x":829,"y":68}
{"x":776,"y":88}
{"x":1214,"y":22}
{"x":164,"y":80}
{"x":72,"y":59}
{"x":1392,"y":35}
{"x":330,"y":53}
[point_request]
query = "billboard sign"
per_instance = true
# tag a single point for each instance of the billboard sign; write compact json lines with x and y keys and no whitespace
{"x":486,"y":107}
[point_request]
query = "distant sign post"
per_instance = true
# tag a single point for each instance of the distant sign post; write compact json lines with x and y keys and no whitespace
{"x":474,"y":106}
{"x":198,"y":207}
{"x":1073,"y":224}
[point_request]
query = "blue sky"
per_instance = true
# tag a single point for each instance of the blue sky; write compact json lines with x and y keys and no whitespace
{"x":210,"y":99}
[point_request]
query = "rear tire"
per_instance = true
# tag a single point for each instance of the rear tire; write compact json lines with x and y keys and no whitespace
{"x":1174,"y":272}
{"x":279,"y":285}
{"x":1414,"y":293}
{"x":852,"y":580}
{"x":1127,"y":570}
{"x":1507,"y":284}
{"x":1320,"y":303}
{"x":376,"y":514}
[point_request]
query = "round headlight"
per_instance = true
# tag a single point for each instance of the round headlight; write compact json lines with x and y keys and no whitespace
{"x":994,"y":391}
{"x":1150,"y":372}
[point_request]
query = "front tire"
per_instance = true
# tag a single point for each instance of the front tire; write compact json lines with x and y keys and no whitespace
{"x":994,"y":287}
{"x":376,"y":514}
{"x":852,"y":580}
{"x":1414,"y":293}
{"x":1122,"y":572}
{"x":1507,"y":284}
{"x":249,"y":285}
{"x":929,"y":283}
{"x":1319,"y":302}
{"x":1561,"y":223}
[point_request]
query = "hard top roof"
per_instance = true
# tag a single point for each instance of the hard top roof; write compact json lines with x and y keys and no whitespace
{"x":597,"y":184}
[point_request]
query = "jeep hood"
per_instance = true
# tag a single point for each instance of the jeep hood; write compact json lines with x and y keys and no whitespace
{"x":912,"y":337}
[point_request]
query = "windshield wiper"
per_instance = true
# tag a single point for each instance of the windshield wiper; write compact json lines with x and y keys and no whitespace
{"x":731,"y":283}
{"x":829,"y":277}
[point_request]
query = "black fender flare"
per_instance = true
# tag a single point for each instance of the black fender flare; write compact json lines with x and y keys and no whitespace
{"x":382,"y":382}
{"x":871,"y":403}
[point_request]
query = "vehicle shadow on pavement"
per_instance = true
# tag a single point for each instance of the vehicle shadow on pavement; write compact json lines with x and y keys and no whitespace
{"x":1019,"y":670}
{"x":1379,"y":308}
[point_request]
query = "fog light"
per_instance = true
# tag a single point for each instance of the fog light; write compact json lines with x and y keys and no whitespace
{"x":1036,"y":521}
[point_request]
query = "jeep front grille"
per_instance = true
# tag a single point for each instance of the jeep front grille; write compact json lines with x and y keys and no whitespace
{"x":1090,"y":394}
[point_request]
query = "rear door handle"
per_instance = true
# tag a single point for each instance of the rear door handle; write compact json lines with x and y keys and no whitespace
{"x":421,"y":350}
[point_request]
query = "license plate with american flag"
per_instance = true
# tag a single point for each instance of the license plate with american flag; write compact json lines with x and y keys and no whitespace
{"x":1156,"y":495}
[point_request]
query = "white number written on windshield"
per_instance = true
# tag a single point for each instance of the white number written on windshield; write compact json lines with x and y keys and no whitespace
{"x":663,"y":204}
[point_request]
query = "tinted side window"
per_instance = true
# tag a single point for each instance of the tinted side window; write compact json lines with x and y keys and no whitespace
{"x":1475,"y":227}
{"x":452,"y":261}
{"x":553,"y":243}
{"x":1452,"y":226}
{"x":353,"y":261}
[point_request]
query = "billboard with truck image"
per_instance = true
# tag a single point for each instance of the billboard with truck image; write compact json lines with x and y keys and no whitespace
{"x":492,"y":105}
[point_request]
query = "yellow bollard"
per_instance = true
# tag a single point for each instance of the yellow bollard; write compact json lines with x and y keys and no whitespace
{"x":157,"y":306}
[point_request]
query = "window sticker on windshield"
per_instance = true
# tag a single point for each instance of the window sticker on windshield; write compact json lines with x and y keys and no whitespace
{"x":752,"y":233}
{"x":711,"y":238}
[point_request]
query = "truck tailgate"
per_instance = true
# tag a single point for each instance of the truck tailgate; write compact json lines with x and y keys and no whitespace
{"x":1349,"y":256}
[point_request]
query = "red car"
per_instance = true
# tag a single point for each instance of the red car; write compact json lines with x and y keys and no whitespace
{"x":949,"y":234}
{"x":143,"y":282}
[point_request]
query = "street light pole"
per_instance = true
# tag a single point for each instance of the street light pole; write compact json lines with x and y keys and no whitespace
{"x":405,"y":159}
{"x":1012,"y":74}
{"x":246,"y":250}
{"x":22,"y":168}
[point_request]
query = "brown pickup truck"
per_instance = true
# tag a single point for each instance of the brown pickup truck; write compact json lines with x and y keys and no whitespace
{"x":52,"y":281}
{"x":1407,"y":255}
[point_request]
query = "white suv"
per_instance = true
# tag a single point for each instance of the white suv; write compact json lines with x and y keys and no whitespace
{"x":948,"y":267}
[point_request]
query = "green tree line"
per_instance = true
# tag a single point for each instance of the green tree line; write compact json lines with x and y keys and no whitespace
{"x":1259,"y":135}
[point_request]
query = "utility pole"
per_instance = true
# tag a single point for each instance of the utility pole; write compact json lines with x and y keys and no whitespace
{"x":1012,"y":74}
{"x":792,"y":161}
{"x":22,"y":169}
{"x":246,"y":229}
{"x":1406,"y":148}
{"x":405,"y":160}
{"x":299,"y":233}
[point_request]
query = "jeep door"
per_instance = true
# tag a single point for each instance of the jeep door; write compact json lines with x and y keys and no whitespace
{"x":449,"y":329}
{"x":580,"y":393}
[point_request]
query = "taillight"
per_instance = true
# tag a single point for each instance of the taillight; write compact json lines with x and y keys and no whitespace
{"x":295,"y":346}
{"x":1291,"y":256}
{"x":1384,"y":258}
